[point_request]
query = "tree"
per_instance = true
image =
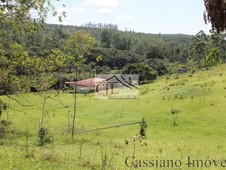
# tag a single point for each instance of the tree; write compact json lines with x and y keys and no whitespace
{"x":146,"y":73}
{"x":216,"y":14}
{"x":199,"y":47}
{"x":14,"y":66}
{"x":19,"y":12}
{"x":158,"y":65}
{"x":106,"y":38}
{"x":213,"y":57}
{"x":154,"y":52}
{"x":16,"y":15}
{"x":79,"y":45}
{"x":4,"y":72}
{"x":218,"y":41}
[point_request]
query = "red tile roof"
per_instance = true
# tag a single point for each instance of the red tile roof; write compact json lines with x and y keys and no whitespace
{"x":86,"y":82}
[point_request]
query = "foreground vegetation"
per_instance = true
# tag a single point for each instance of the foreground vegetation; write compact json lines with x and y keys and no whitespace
{"x":185,"y":115}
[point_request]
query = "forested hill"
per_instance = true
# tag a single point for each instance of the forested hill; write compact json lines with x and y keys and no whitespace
{"x":110,"y":37}
{"x":117,"y":47}
{"x":97,"y":31}
{"x":171,"y":46}
{"x":44,"y":52}
{"x":55,"y":36}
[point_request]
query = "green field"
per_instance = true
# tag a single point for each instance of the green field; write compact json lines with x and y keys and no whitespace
{"x":185,"y":115}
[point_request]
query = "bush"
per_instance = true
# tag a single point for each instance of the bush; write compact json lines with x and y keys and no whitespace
{"x":4,"y":127}
{"x":44,"y":136}
{"x":3,"y":107}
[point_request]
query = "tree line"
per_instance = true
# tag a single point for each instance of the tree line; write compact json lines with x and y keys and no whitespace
{"x":44,"y":51}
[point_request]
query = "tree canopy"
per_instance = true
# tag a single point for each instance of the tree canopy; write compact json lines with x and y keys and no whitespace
{"x":26,"y":12}
{"x":216,"y":14}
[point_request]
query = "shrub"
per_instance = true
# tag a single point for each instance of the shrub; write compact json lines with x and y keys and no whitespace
{"x":44,"y":136}
{"x":3,"y":127}
{"x":3,"y":107}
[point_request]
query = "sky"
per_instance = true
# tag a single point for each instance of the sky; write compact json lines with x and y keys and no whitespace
{"x":148,"y":16}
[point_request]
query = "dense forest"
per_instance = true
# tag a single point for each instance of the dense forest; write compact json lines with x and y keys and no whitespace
{"x":47,"y":56}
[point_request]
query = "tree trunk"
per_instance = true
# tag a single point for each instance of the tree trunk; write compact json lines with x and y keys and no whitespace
{"x":75,"y":92}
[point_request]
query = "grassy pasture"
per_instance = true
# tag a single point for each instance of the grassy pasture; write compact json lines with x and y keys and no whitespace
{"x":185,"y":115}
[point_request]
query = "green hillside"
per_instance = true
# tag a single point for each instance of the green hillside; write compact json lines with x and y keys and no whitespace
{"x":185,"y":115}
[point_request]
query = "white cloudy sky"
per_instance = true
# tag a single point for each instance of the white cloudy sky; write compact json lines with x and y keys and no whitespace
{"x":149,"y":16}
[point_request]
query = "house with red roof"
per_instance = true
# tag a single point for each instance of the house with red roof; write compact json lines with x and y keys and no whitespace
{"x":86,"y":85}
